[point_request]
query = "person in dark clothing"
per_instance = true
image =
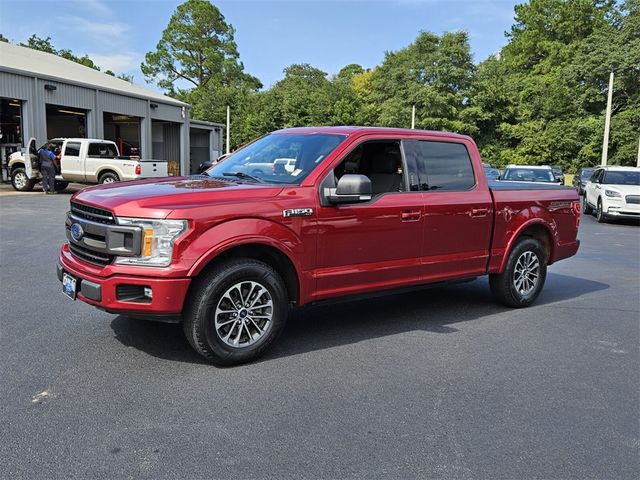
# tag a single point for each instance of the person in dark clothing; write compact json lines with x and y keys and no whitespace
{"x":47,"y":169}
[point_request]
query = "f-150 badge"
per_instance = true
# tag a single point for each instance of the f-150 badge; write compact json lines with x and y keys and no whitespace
{"x":297,"y":212}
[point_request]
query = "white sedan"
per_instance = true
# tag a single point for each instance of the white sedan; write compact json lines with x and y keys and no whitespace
{"x":613,"y":192}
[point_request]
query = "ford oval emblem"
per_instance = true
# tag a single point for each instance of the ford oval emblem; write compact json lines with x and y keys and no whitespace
{"x":76,"y":232}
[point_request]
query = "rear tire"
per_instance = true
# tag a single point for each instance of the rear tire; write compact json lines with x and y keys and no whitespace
{"x":523,"y":277}
{"x":235,"y":311}
{"x":61,"y":186}
{"x":108,"y":177}
{"x":586,"y":209}
{"x":20,"y":181}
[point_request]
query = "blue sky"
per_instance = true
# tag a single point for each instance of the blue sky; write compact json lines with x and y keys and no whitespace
{"x":270,"y":34}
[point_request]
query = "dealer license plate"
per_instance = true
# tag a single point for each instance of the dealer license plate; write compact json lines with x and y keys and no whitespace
{"x":69,"y":285}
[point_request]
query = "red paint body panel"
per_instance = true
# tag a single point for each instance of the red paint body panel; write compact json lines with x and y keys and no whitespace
{"x":168,"y":293}
{"x":396,"y":239}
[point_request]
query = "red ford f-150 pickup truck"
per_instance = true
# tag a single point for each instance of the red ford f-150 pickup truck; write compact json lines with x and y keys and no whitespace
{"x":364,"y":209}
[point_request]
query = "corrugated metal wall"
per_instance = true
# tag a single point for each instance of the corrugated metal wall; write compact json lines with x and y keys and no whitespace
{"x":31,"y":92}
{"x":15,"y":86}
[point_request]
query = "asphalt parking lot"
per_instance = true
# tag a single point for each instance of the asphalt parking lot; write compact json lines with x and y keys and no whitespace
{"x":434,"y":383}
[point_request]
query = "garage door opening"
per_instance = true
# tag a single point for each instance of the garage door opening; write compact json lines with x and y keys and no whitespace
{"x":200,"y":148}
{"x":66,"y":122}
{"x":125,"y":131}
{"x":10,"y":131}
{"x":165,"y":141}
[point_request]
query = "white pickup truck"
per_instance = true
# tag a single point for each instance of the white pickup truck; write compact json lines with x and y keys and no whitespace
{"x":82,"y":160}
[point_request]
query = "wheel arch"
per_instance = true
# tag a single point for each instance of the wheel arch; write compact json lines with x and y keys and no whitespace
{"x":537,"y":229}
{"x":267,"y":253}
{"x":107,"y":169}
{"x":15,"y":165}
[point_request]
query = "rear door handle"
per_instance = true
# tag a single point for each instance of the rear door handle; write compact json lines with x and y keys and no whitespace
{"x":478,"y":212}
{"x":410,"y":215}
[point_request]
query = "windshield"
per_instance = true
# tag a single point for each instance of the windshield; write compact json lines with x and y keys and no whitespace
{"x":492,"y":172}
{"x":278,"y":158}
{"x":586,"y":172}
{"x":529,"y":175}
{"x":622,"y":178}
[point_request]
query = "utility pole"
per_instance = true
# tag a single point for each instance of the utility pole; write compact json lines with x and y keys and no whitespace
{"x":228,"y":126}
{"x":413,"y":117}
{"x":607,"y":122}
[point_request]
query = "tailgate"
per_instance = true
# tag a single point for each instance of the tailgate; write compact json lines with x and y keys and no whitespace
{"x":153,"y":168}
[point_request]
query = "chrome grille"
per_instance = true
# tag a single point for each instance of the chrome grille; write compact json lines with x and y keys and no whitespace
{"x":90,"y":256}
{"x":632,"y":198}
{"x":92,"y":213}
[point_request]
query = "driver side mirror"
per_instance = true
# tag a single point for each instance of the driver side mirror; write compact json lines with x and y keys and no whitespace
{"x":351,"y":188}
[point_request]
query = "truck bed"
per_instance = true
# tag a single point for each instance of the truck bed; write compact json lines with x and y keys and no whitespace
{"x":553,"y":206}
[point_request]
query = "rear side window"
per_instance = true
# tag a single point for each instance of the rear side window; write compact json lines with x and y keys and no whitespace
{"x":102,"y":150}
{"x":444,"y":166}
{"x":72,"y":149}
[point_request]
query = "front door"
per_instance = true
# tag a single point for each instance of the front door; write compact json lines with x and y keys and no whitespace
{"x":376,"y":244}
{"x":458,"y":210}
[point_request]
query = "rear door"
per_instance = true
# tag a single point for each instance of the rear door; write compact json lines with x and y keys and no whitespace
{"x":458,"y":209}
{"x":71,"y":162}
{"x":98,"y":154}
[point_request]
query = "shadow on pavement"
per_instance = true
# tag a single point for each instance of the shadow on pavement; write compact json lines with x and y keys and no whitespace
{"x":440,"y":310}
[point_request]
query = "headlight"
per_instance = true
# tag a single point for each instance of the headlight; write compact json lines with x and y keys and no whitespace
{"x":158,"y":237}
{"x":611,"y":193}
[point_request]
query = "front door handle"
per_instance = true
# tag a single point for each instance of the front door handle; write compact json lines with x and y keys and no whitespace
{"x":478,"y":212}
{"x":410,"y":215}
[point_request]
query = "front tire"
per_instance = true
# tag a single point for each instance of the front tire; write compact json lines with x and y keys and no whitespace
{"x":20,"y":181}
{"x":236,"y":311}
{"x":524,"y":276}
{"x":600,"y":215}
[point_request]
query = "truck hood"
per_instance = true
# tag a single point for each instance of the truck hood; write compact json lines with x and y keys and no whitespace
{"x":153,"y":198}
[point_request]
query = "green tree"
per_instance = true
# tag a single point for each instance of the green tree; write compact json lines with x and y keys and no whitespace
{"x":435,"y":74}
{"x":542,"y":100}
{"x":45,"y":45}
{"x":197,"y":47}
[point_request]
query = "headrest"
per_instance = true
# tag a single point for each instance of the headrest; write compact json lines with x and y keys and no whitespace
{"x":384,"y":163}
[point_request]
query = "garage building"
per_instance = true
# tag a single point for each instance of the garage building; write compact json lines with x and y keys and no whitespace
{"x":46,"y":96}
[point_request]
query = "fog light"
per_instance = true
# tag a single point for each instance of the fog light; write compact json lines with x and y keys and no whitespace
{"x":147,"y":292}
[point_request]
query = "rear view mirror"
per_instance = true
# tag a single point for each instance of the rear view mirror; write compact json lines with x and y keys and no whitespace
{"x":351,"y":188}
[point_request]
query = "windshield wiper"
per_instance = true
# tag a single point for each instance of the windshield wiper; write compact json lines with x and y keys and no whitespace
{"x":243,"y":176}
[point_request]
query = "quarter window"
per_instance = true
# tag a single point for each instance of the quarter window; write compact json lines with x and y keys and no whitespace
{"x":444,"y":166}
{"x":72,"y":149}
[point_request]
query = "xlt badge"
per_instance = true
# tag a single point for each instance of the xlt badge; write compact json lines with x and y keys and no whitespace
{"x":297,"y":212}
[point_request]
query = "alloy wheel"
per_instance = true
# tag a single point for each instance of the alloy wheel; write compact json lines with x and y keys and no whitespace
{"x":20,"y":180}
{"x":244,"y":314}
{"x":526,"y":273}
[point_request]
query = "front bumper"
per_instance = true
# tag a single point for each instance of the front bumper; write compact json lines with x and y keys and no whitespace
{"x":623,"y":213}
{"x":102,"y":292}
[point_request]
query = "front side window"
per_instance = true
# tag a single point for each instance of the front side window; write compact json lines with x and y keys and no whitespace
{"x":278,"y":158}
{"x":444,"y":166}
{"x":380,"y":160}
{"x":72,"y":149}
{"x":595,"y":178}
